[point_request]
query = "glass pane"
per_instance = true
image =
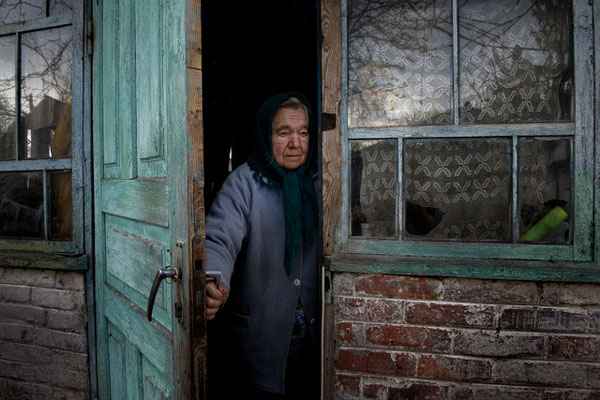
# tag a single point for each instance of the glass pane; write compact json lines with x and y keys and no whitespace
{"x":515,"y":61}
{"x":21,"y":10}
{"x":61,"y":207}
{"x":60,"y":7}
{"x":21,"y":204}
{"x":373,"y":188}
{"x":46,"y":93}
{"x":7,"y":97}
{"x":545,"y":189}
{"x":457,"y":189}
{"x":400,"y":62}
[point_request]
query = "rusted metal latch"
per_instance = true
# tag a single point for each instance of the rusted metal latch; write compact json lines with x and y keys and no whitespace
{"x":161,"y":274}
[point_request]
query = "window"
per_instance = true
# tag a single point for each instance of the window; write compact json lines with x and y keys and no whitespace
{"x":41,"y":125}
{"x":468,"y":128}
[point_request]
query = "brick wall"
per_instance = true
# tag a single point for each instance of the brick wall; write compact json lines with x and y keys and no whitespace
{"x":43,"y":342}
{"x":425,"y":338}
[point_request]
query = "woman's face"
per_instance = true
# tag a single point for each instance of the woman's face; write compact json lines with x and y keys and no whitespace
{"x":290,"y":138}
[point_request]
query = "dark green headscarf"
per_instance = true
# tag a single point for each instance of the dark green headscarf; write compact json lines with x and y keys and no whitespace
{"x":299,"y":198}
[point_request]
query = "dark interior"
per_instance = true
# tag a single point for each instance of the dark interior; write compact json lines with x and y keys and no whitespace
{"x":250,"y":51}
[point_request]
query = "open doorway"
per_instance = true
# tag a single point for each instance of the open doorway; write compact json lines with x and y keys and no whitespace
{"x":250,"y":51}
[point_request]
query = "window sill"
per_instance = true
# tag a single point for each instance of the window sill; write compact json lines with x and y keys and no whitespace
{"x":44,"y":261}
{"x":554,"y":271}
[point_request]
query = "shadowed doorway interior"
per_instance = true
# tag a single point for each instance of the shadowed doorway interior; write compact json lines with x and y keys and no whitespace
{"x":250,"y":51}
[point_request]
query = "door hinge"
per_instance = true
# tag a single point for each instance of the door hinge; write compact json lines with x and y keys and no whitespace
{"x":89,"y":37}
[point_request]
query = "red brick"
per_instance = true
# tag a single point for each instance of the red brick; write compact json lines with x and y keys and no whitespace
{"x":375,"y":391}
{"x":349,"y":333}
{"x":441,"y":314}
{"x":398,"y":286}
{"x":542,"y":320}
{"x":347,"y":386}
{"x":482,"y":291}
{"x":454,"y":368}
{"x":576,"y":348}
{"x":365,"y":309}
{"x":377,"y":362}
{"x":409,"y":336}
{"x":493,"y":344}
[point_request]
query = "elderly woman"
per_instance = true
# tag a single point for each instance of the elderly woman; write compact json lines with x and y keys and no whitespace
{"x":264,"y":223}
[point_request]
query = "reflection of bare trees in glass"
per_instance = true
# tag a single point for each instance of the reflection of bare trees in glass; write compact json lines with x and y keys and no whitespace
{"x":12,"y":11}
{"x":45,"y":87}
{"x":514,"y":62}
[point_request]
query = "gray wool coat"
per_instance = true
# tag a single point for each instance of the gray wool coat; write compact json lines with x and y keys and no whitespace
{"x":263,"y":297}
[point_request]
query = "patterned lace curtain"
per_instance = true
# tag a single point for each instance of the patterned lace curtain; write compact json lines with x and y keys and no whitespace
{"x":514,"y":66}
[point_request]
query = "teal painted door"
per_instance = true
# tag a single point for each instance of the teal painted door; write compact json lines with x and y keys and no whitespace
{"x":144,"y":217}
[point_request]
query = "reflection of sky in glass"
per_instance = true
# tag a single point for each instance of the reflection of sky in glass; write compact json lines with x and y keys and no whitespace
{"x":7,"y":96}
{"x":21,"y":10}
{"x":46,"y":66}
{"x":515,"y":61}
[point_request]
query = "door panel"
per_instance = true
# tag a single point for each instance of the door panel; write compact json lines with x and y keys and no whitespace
{"x":142,"y":193}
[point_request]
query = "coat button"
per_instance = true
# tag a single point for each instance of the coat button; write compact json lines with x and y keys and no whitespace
{"x":296,"y":282}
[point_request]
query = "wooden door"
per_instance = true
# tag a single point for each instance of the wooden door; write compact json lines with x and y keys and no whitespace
{"x":148,"y":198}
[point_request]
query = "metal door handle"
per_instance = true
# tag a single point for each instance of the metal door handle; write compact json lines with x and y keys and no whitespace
{"x":160,"y":275}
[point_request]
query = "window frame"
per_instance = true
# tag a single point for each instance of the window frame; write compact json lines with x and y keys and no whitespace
{"x":395,"y":255}
{"x":33,"y":251}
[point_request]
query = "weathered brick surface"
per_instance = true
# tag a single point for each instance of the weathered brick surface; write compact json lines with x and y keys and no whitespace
{"x":450,"y":338}
{"x":15,"y":293}
{"x":481,"y":291}
{"x":347,"y":386}
{"x":543,"y":319}
{"x":494,"y":344}
{"x":43,"y":339}
{"x":364,"y":309}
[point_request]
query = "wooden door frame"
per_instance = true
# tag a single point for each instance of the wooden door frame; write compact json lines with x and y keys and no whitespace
{"x":331,"y":167}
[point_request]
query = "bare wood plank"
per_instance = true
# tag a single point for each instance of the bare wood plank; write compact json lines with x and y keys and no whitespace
{"x":141,"y":200}
{"x":331,"y":96}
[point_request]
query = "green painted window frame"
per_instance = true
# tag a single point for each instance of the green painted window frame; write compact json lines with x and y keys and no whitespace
{"x":59,"y":254}
{"x":365,"y":254}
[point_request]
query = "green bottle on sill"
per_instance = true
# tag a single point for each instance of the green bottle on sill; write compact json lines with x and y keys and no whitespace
{"x":546,"y":225}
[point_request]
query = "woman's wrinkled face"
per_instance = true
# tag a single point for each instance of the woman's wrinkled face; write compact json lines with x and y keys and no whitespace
{"x":290,"y":137}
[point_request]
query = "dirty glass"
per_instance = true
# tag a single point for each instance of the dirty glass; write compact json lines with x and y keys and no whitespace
{"x":12,"y":11}
{"x":56,"y":7}
{"x":7,"y":97}
{"x":515,"y":61}
{"x":457,"y":189}
{"x":61,"y":206}
{"x":21,"y":204}
{"x":545,"y":189}
{"x":46,"y":93}
{"x":400,"y":62}
{"x":373,"y":188}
